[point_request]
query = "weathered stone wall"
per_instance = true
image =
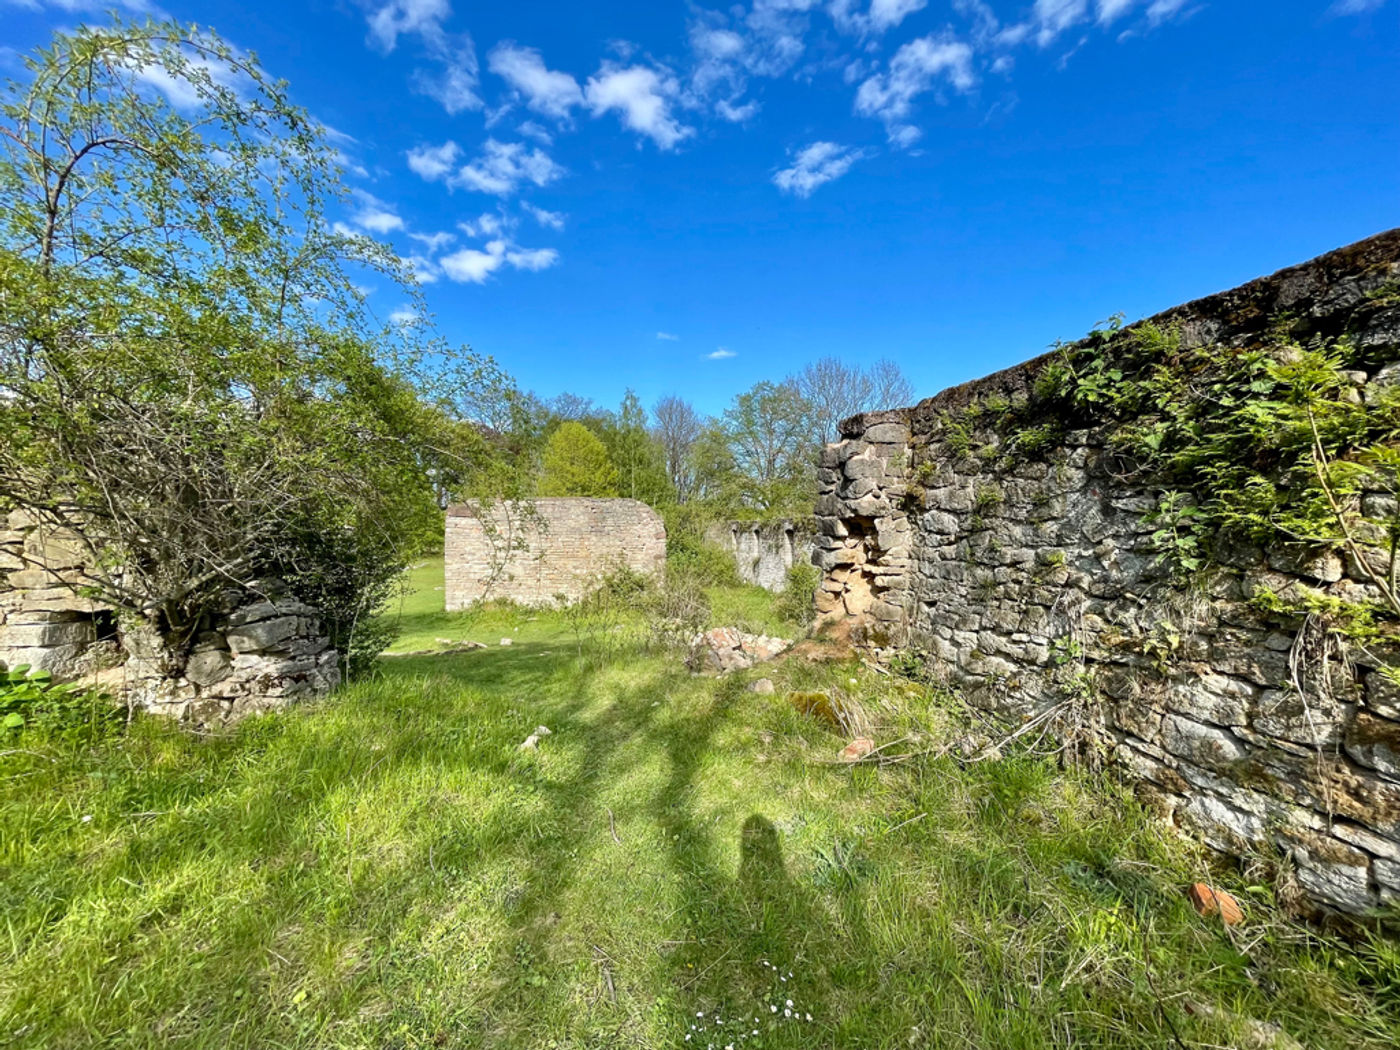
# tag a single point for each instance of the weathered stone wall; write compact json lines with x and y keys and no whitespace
{"x":1024,"y":577}
{"x":261,"y":649}
{"x":764,"y":551}
{"x":534,"y":552}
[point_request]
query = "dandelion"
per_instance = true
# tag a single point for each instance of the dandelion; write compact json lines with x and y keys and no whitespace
{"x":809,"y":1017}
{"x":788,"y":1003}
{"x":773,"y":1008}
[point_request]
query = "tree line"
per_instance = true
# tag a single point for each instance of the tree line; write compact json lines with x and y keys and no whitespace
{"x":757,"y":458}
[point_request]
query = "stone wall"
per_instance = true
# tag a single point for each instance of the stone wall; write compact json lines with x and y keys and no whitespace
{"x":261,"y":649}
{"x":764,"y":551}
{"x":1025,"y":576}
{"x":534,"y":552}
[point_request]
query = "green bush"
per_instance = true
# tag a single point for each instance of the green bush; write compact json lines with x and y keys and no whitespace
{"x":795,"y":603}
{"x":690,"y":554}
{"x":34,"y":701}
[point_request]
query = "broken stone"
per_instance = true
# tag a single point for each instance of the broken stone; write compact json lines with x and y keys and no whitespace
{"x":763,"y":687}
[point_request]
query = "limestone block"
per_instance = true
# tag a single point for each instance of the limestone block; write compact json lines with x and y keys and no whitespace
{"x":43,"y":635}
{"x":208,"y":667}
{"x":1374,"y":743}
{"x":865,"y":466}
{"x":888,"y":433}
{"x":262,"y":634}
{"x":1206,"y":745}
{"x":1344,"y":886}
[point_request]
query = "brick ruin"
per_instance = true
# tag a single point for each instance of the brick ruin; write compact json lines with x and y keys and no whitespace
{"x":1001,"y":593}
{"x":537,"y":552}
{"x":261,"y":649}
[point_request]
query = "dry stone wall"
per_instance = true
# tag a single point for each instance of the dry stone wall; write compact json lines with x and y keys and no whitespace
{"x":764,"y":551}
{"x":534,"y":553}
{"x":262,"y":649}
{"x":1025,"y":577}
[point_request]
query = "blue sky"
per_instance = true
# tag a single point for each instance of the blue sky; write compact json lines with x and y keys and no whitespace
{"x":687,"y":199}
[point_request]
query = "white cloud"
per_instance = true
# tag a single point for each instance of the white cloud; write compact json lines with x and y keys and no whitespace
{"x":474,"y":266}
{"x":882,"y":15}
{"x":668,"y":337}
{"x":403,"y":317}
{"x":736,"y":113}
{"x":489,"y":224}
{"x":433,"y":162}
{"x":398,"y":17}
{"x":553,"y":219}
{"x":1161,"y":10}
{"x":1355,"y":7}
{"x":642,"y":97}
{"x":545,"y":91}
{"x":503,"y":166}
{"x":721,"y":354}
{"x":425,"y":271}
{"x":434,"y":242}
{"x":538,"y":132}
{"x":819,"y":163}
{"x":453,"y":83}
{"x":1110,"y":10}
{"x":374,"y":215}
{"x":913,"y":70}
{"x":470,"y":266}
{"x":532,"y":259}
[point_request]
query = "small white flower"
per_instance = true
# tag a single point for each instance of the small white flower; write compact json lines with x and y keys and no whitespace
{"x":773,"y":1008}
{"x":699,"y":1013}
{"x":788,"y":1003}
{"x":809,"y":1017}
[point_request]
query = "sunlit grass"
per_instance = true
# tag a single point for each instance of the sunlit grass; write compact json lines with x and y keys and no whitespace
{"x":386,"y":869}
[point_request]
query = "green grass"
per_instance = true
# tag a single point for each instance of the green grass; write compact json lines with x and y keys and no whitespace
{"x":385,"y":869}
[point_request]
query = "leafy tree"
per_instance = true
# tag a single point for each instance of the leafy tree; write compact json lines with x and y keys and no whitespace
{"x":188,"y":377}
{"x":767,"y":430}
{"x":576,"y":463}
{"x":638,"y":456}
{"x":677,"y":428}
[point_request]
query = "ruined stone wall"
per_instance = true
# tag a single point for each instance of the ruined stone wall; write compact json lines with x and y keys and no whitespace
{"x":764,"y":551}
{"x":1024,"y":577}
{"x":261,"y":649}
{"x":534,"y":552}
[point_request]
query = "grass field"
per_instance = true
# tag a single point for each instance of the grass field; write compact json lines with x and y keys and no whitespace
{"x":678,"y":864}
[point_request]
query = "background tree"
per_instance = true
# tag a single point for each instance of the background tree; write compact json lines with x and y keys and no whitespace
{"x":677,"y":427}
{"x":834,"y":391}
{"x":188,"y":378}
{"x":637,"y":455}
{"x":767,"y":431}
{"x":576,"y":463}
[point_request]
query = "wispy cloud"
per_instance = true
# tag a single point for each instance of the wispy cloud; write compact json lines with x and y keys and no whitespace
{"x":475,"y":266}
{"x":814,"y":166}
{"x":721,"y":354}
{"x":503,"y":166}
{"x":668,"y":337}
{"x":433,"y":162}
{"x":642,"y":97}
{"x":1355,"y":7}
{"x":454,"y":76}
{"x":552,"y":219}
{"x":374,"y":215}
{"x":543,"y":90}
{"x":915,"y":69}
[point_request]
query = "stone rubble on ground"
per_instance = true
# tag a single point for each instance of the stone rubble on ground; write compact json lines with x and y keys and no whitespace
{"x":725,"y":649}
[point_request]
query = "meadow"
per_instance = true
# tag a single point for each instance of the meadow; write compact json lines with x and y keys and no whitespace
{"x":680,"y":862}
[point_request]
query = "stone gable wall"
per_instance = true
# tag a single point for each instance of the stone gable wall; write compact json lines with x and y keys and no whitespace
{"x":262,"y":649}
{"x":1015,"y":576}
{"x":533,"y":552}
{"x":764,"y":551}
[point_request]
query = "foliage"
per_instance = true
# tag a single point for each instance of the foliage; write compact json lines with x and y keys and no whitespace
{"x":188,"y":378}
{"x":576,"y":463}
{"x":1267,"y":444}
{"x":34,"y":701}
{"x":765,"y":429}
{"x":638,"y":456}
{"x":832,"y":391}
{"x":795,"y":604}
{"x":677,"y":428}
{"x":688,"y":553}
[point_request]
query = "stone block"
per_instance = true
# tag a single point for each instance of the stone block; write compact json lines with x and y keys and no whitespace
{"x":887,"y":433}
{"x":262,"y":635}
{"x":1374,"y":743}
{"x":1205,"y":745}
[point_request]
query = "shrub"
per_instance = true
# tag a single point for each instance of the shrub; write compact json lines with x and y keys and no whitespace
{"x":35,"y":701}
{"x":795,"y":604}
